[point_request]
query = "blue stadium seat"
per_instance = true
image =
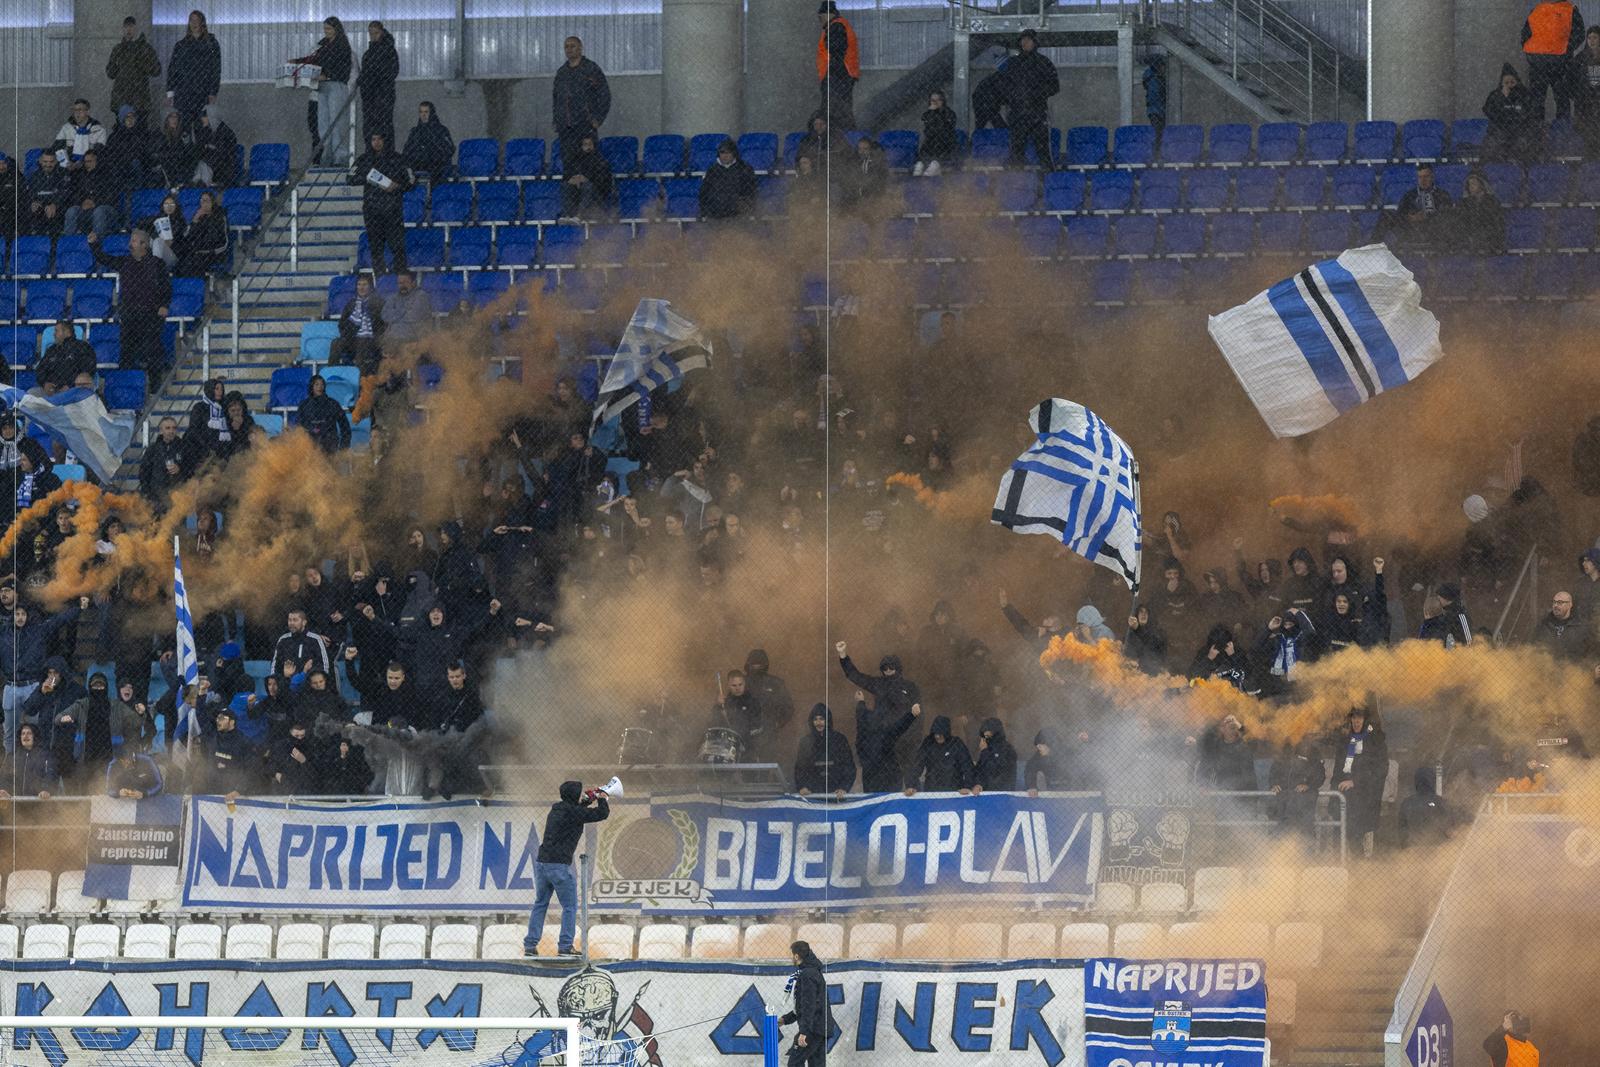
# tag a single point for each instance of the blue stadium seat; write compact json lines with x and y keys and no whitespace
{"x":1134,"y":146}
{"x":791,"y":148}
{"x":73,"y":255}
{"x":145,"y":203}
{"x":558,"y":160}
{"x":46,"y":300}
{"x":425,"y":249}
{"x":469,"y":247}
{"x":363,"y":252}
{"x":772,"y":194}
{"x":243,"y":207}
{"x":1032,"y":155}
{"x":1466,"y":136}
{"x":499,"y":201}
{"x":414,"y":205}
{"x":1040,"y":236}
{"x":1016,"y":192}
{"x":1278,"y":232}
{"x":1111,"y":282}
{"x":114,"y":244}
{"x":1255,"y":188}
{"x":341,"y":287}
{"x":1548,"y":183}
{"x":269,"y":164}
{"x":1352,"y":185}
{"x":1302,"y":186}
{"x":1505,"y":181}
{"x":189,"y":200}
{"x":1063,"y":191}
{"x":124,"y":389}
{"x":31,"y":255}
{"x":19,"y":345}
{"x":525,"y":157}
{"x":1562,"y":140}
{"x":1159,"y":189}
{"x":1587,"y":183}
{"x":1111,"y":190}
{"x":663,"y":154}
{"x":484,"y":287}
{"x":1572,"y":229}
{"x":1182,"y":145}
{"x":895,"y":240}
{"x":1278,"y":142}
{"x":1232,"y":234}
{"x":1503,"y":277}
{"x":899,"y":148}
{"x":1524,"y":229}
{"x":541,"y":201}
{"x":1452,"y":278}
{"x":9,"y":295}
{"x":1552,"y":277}
{"x":1375,"y":140}
{"x":1161,"y":281}
{"x":635,"y":196}
{"x":703,"y":151}
{"x":1183,"y":235}
{"x":622,"y":153}
{"x":562,"y":245}
{"x":1087,"y":235}
{"x":760,"y":150}
{"x":1452,"y":178}
{"x":582,"y":290}
{"x":1422,"y":139}
{"x":478,"y":157}
{"x":1229,"y":142}
{"x":607,"y":245}
{"x":991,"y":147}
{"x":683,"y":197}
{"x":317,"y":337}
{"x":343,"y":383}
{"x":1208,"y":189}
{"x":387,"y":286}
{"x":1134,"y":235}
{"x":1395,"y":180}
{"x":272,"y":423}
{"x":188,"y":298}
{"x":937,"y":241}
{"x":920,"y":197}
{"x":288,"y":387}
{"x":1327,"y":232}
{"x":1086,"y":146}
{"x":451,"y":203}
{"x":1326,"y":142}
{"x":446,"y":289}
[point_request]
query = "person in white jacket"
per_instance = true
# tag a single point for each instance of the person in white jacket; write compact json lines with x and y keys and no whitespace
{"x":79,"y":133}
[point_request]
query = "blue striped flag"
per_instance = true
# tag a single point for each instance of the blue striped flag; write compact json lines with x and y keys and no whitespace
{"x":188,"y":658}
{"x":1328,"y":339}
{"x":658,"y":347}
{"x":134,"y":848}
{"x":80,"y":418}
{"x":1079,"y":482}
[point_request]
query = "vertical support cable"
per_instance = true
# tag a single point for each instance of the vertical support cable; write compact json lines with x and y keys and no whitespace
{"x":235,"y":327}
{"x":294,"y":230}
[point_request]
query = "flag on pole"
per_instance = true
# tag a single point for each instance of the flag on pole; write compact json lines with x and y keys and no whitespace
{"x":188,"y":658}
{"x":1079,"y":482}
{"x":1328,"y":339}
{"x":659,"y":346}
{"x":78,"y":416}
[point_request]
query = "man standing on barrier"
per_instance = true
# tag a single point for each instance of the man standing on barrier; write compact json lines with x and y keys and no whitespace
{"x":810,"y":1012}
{"x":563,"y":829}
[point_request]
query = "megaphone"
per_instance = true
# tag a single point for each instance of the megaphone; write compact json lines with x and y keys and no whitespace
{"x":611,"y":789}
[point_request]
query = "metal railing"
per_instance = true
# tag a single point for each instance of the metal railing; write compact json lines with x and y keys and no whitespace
{"x":1522,"y":603}
{"x":1250,"y":814}
{"x":969,"y":15}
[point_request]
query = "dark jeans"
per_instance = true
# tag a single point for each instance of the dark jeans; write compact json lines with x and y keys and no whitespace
{"x":1555,"y":74}
{"x":838,"y":103}
{"x":1030,"y":129}
{"x":142,"y":348}
{"x":814,"y":1054}
{"x":386,"y":231}
{"x":364,"y":352}
{"x":377,"y":116}
{"x":571,"y":138}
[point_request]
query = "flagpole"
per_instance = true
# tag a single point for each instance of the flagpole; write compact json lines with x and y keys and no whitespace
{"x":1138,"y":518}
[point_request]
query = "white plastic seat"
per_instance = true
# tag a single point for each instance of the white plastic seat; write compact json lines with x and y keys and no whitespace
{"x":663,"y":941}
{"x":96,"y":941}
{"x":1029,"y":941}
{"x":45,"y":941}
{"x":1271,"y":891}
{"x":147,"y":941}
{"x":249,"y":941}
{"x":1163,"y":898}
{"x":1081,"y":941}
{"x":198,"y":941}
{"x":70,"y":901}
{"x":1323,"y":890}
{"x":453,"y":941}
{"x":925,"y":941}
{"x":825,"y":939}
{"x":552,"y":934}
{"x":1140,"y":941}
{"x":402,"y":941}
{"x":1282,"y":997}
{"x":126,"y":909}
{"x":28,"y":893}
{"x":1296,"y":946}
{"x":1190,"y":939}
{"x":768,"y":941}
{"x":352,"y":941}
{"x":299,"y":941}
{"x":1115,"y":897}
{"x":1213,"y":886}
{"x":873,"y":941}
{"x":10,"y":937}
{"x":611,"y":941}
{"x":503,"y":941}
{"x":977,"y":941}
{"x":715,"y":941}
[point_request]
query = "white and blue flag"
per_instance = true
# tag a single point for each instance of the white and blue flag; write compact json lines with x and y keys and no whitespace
{"x":78,"y":416}
{"x":1328,"y":339}
{"x":188,"y":658}
{"x":1171,"y":1011}
{"x":134,"y":847}
{"x":1079,"y":483}
{"x":659,"y":346}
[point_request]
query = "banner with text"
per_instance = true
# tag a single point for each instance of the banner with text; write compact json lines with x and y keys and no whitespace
{"x":666,"y":855}
{"x":638,"y":1013}
{"x":1210,"y":1012}
{"x":132,"y":851}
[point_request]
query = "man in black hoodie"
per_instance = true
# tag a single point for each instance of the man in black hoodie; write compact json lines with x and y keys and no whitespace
{"x":810,"y":1012}
{"x":384,"y":178}
{"x":563,"y":829}
{"x":996,"y":767}
{"x":943,"y":762}
{"x":1425,"y":819}
{"x":380,"y":66}
{"x":877,"y":731}
{"x":822,"y":762}
{"x":1030,"y":82}
{"x":772,"y":691}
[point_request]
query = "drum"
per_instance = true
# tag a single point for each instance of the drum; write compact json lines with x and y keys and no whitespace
{"x":720,"y":746}
{"x":638,"y":746}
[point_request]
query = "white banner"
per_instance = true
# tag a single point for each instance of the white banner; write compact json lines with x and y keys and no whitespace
{"x":651,"y":1014}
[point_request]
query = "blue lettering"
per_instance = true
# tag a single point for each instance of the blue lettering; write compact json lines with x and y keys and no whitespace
{"x":108,"y":1002}
{"x":496,"y":856}
{"x":971,"y":1016}
{"x":390,"y":834}
{"x":194,"y":1041}
{"x":835,"y":1000}
{"x":259,"y":1005}
{"x":440,"y":834}
{"x":388,"y":995}
{"x":325,"y":998}
{"x":32,"y":999}
{"x":867,"y":1017}
{"x":293,"y":840}
{"x":464,"y":1002}
{"x":729,"y":1036}
{"x":409,"y":854}
{"x":357,"y":850}
{"x":916,"y":1029}
{"x":214,"y":857}
{"x":1027,"y":1021}
{"x":251,"y":853}
{"x":330,"y":841}
{"x":522,"y":874}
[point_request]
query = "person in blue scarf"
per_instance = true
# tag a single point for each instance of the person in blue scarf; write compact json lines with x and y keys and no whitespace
{"x":1360,"y":767}
{"x":1290,"y":640}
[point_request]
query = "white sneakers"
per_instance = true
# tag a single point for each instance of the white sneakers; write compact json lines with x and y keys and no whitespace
{"x":926,"y":170}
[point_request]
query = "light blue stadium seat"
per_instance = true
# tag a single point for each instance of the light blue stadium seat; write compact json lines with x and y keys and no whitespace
{"x":315,"y":340}
{"x":344,"y":384}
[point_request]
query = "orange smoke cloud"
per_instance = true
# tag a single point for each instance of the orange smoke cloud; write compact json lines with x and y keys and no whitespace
{"x":954,"y":504}
{"x":1328,"y":509}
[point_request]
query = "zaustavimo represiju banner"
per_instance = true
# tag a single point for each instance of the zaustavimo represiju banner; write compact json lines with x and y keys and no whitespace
{"x":658,"y":855}
{"x":640,"y":1013}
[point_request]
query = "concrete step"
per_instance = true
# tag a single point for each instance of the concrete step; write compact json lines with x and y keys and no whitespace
{"x":1338,"y":1058}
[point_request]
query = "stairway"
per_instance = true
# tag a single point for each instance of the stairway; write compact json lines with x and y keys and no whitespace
{"x":1343,"y":1009}
{"x":275,"y":300}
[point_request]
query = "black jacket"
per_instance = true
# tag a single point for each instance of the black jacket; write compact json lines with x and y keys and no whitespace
{"x":63,"y":361}
{"x":1225,"y":766}
{"x":1566,"y":639}
{"x":142,"y":284}
{"x":1030,"y":82}
{"x":299,"y":647}
{"x":103,"y":185}
{"x":429,"y":147}
{"x":728,"y":192}
{"x":563,"y":827}
{"x":1511,"y":114}
{"x":289,"y":776}
{"x":130,"y":68}
{"x":347,"y":326}
{"x":1424,"y":818}
{"x":939,"y":140}
{"x":877,"y":730}
{"x":51,"y":186}
{"x":375,"y":199}
{"x":580,"y":95}
{"x":127,"y":150}
{"x":194,"y":72}
{"x":996,"y":767}
{"x":810,"y":1014}
{"x":597,"y":172}
{"x":822,"y":762}
{"x":215,"y":146}
{"x":334,"y":56}
{"x":346,"y":775}
{"x":942,"y":766}
{"x":380,"y":66}
{"x":172,"y":159}
{"x":324,"y":419}
{"x":232,"y":762}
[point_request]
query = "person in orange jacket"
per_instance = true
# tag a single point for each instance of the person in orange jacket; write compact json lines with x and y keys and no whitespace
{"x":1509,"y":1046}
{"x":1552,"y":35}
{"x":838,"y":66}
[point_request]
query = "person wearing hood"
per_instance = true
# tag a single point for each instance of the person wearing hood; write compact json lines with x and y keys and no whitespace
{"x":1091,"y":628}
{"x":103,"y":720}
{"x":1425,"y":819}
{"x":30,"y":772}
{"x":940,"y":643}
{"x":170,"y":155}
{"x":811,"y":1013}
{"x":194,"y":71}
{"x":324,"y":418}
{"x":1227,"y":758}
{"x":132,"y":775}
{"x":1291,"y":639}
{"x":878,"y":731}
{"x":1173,"y":602}
{"x":940,"y":143}
{"x":729,"y":188}
{"x":227,"y":673}
{"x":81,"y":132}
{"x":1030,"y":81}
{"x":1221,"y":658}
{"x":345,"y":770}
{"x":429,"y":148}
{"x":1445,"y":619}
{"x":1585,"y":589}
{"x":1146,"y":643}
{"x":1360,"y":767}
{"x":132,"y":64}
{"x":24,"y":642}
{"x":1515,"y":119}
{"x":553,"y":876}
{"x":215,"y":146}
{"x":891,"y":690}
{"x":456,"y":578}
{"x":429,"y":647}
{"x":1355,"y":620}
{"x":1297,"y":777}
{"x":1561,"y":633}
{"x":943,"y":763}
{"x":1304,"y":588}
{"x":232,"y":761}
{"x":996,"y":766}
{"x":384,"y":179}
{"x":822,"y":760}
{"x":317,"y":699}
{"x":1047,"y":767}
{"x":292,"y":763}
{"x":380,"y":68}
{"x":1218,"y":600}
{"x":771,"y":690}
{"x":1039,"y":636}
{"x":588,"y":188}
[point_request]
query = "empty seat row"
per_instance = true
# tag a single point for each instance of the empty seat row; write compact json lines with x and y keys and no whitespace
{"x":1277,"y":891}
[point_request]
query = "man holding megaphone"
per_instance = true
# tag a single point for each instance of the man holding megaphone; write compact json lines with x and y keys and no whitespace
{"x":553,"y":875}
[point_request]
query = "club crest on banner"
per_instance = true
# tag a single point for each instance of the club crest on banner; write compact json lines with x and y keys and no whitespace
{"x":1169,"y":1027}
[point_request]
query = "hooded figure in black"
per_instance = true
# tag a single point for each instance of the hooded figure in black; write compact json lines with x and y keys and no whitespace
{"x":1357,"y":621}
{"x":455,"y":576}
{"x":810,"y":1013}
{"x":772,"y":691}
{"x":742,"y":711}
{"x":877,"y":731}
{"x":1290,"y":640}
{"x":1227,"y":758}
{"x":1046,"y":767}
{"x":1146,"y":643}
{"x":1220,"y":657}
{"x":996,"y":767}
{"x":430,"y":149}
{"x":1515,"y":119}
{"x":1425,"y":819}
{"x":1297,"y":776}
{"x":1304,"y":588}
{"x":380,"y":66}
{"x":1360,"y":766}
{"x":822,"y":760}
{"x":323,"y":417}
{"x":891,"y":692}
{"x":943,"y":762}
